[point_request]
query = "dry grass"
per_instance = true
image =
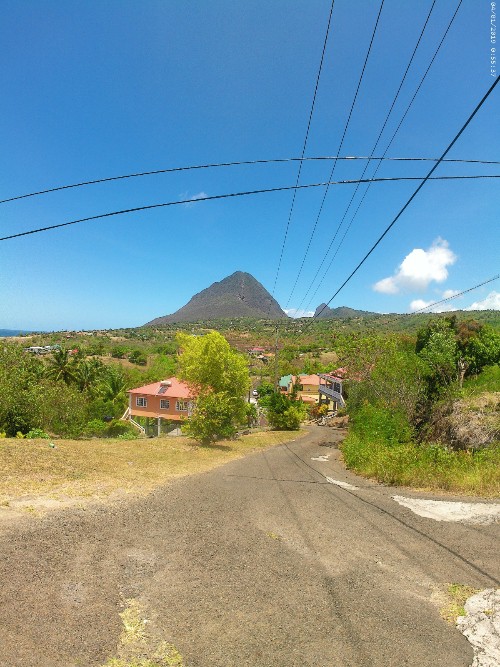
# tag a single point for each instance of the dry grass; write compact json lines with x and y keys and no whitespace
{"x":138,"y":648}
{"x":456,"y":595}
{"x":97,"y":468}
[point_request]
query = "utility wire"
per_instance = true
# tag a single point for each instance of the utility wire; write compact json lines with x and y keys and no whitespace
{"x":238,"y":164}
{"x":454,"y":296}
{"x":338,"y":150}
{"x":396,"y":96}
{"x":303,"y":148}
{"x":396,"y":218}
{"x":399,"y":316}
{"x":242,"y":194}
{"x":378,"y":166}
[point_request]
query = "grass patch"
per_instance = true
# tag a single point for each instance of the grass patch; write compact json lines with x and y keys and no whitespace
{"x":457,"y":595}
{"x":97,"y":468}
{"x":136,"y":648}
{"x":427,"y":466}
{"x":487,"y":380}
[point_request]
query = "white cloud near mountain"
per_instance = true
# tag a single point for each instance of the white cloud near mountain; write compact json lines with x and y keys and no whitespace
{"x":491,"y":302}
{"x":420,"y":304}
{"x":293,"y":312}
{"x":419,"y":268}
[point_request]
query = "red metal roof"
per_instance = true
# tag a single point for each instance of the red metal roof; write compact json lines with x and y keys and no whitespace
{"x":177,"y":389}
{"x":309,"y":379}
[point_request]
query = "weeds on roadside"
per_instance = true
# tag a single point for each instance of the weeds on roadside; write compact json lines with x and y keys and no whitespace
{"x":457,"y":595}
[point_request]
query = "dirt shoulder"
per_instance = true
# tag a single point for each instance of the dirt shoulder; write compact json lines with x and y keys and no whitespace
{"x":37,"y":476}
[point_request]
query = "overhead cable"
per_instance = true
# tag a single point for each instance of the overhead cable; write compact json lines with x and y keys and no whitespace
{"x":313,"y":231}
{"x":325,"y":41}
{"x":243,"y":194}
{"x":438,"y":48}
{"x":240,"y":163}
{"x":403,"y":209}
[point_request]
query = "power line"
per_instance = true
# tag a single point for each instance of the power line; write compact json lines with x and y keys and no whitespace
{"x":396,"y":218}
{"x":238,"y":164}
{"x":450,"y":23}
{"x":304,"y":146}
{"x":244,"y":194}
{"x":455,"y":296}
{"x":338,"y":150}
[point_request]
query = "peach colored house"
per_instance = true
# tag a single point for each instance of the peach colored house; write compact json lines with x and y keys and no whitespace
{"x":306,"y":387}
{"x":169,"y":400}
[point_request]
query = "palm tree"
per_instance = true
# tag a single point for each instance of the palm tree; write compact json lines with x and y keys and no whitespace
{"x":61,"y":366}
{"x":87,"y":373}
{"x":113,"y":386}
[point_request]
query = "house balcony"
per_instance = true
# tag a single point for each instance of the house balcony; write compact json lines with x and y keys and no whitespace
{"x":332,"y":394}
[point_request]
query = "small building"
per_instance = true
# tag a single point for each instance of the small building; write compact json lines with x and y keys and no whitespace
{"x":257,"y":351}
{"x":284,"y":383}
{"x":169,"y":400}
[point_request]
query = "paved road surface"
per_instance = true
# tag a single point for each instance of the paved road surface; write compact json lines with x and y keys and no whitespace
{"x":260,"y":563}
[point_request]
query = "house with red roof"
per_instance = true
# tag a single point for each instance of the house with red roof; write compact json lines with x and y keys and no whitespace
{"x":165,"y":401}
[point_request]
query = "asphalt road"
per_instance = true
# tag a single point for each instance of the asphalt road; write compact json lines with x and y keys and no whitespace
{"x":259,"y":563}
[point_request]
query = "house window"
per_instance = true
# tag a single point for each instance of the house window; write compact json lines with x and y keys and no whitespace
{"x":181,"y":406}
{"x":141,"y":402}
{"x":164,"y":404}
{"x":336,"y":387}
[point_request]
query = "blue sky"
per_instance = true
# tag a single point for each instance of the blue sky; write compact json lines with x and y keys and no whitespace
{"x":99,"y":89}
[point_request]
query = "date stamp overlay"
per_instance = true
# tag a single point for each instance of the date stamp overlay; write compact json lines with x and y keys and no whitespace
{"x":493,"y":39}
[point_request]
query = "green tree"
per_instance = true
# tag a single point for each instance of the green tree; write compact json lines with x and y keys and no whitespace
{"x":219,"y":378}
{"x":61,"y":366}
{"x":482,"y":350}
{"x":213,"y":417}
{"x":285,"y":414}
{"x":209,"y":362}
{"x":87,"y":374}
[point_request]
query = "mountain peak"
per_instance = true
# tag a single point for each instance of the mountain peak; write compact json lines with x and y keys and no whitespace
{"x":237,"y":295}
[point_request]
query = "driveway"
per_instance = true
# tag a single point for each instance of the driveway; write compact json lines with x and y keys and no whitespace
{"x":262,"y":562}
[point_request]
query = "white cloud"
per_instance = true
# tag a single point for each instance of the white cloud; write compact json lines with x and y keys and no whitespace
{"x":293,"y":312}
{"x":448,"y":293}
{"x":491,"y":302}
{"x":419,"y":268}
{"x":420,"y":304}
{"x":193,"y":198}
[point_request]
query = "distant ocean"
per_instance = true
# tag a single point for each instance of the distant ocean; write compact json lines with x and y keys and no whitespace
{"x":12,"y":332}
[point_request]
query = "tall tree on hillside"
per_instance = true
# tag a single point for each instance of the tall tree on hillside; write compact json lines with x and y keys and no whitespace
{"x":61,"y":366}
{"x":219,"y":378}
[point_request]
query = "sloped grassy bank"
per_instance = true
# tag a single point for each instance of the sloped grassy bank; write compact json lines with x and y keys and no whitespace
{"x":380,"y":445}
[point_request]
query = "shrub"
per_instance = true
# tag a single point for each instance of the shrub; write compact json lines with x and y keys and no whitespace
{"x":215,"y":417}
{"x":372,"y":424}
{"x":285,"y":414}
{"x":37,"y":433}
{"x":118,"y":428}
{"x":94,"y":428}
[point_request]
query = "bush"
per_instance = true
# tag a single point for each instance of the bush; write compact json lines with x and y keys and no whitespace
{"x":216,"y":416}
{"x":94,"y":428}
{"x":285,"y":414}
{"x":37,"y":433}
{"x":372,"y":424}
{"x":117,"y":428}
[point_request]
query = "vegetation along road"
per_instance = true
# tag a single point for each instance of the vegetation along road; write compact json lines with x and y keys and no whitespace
{"x":262,"y":561}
